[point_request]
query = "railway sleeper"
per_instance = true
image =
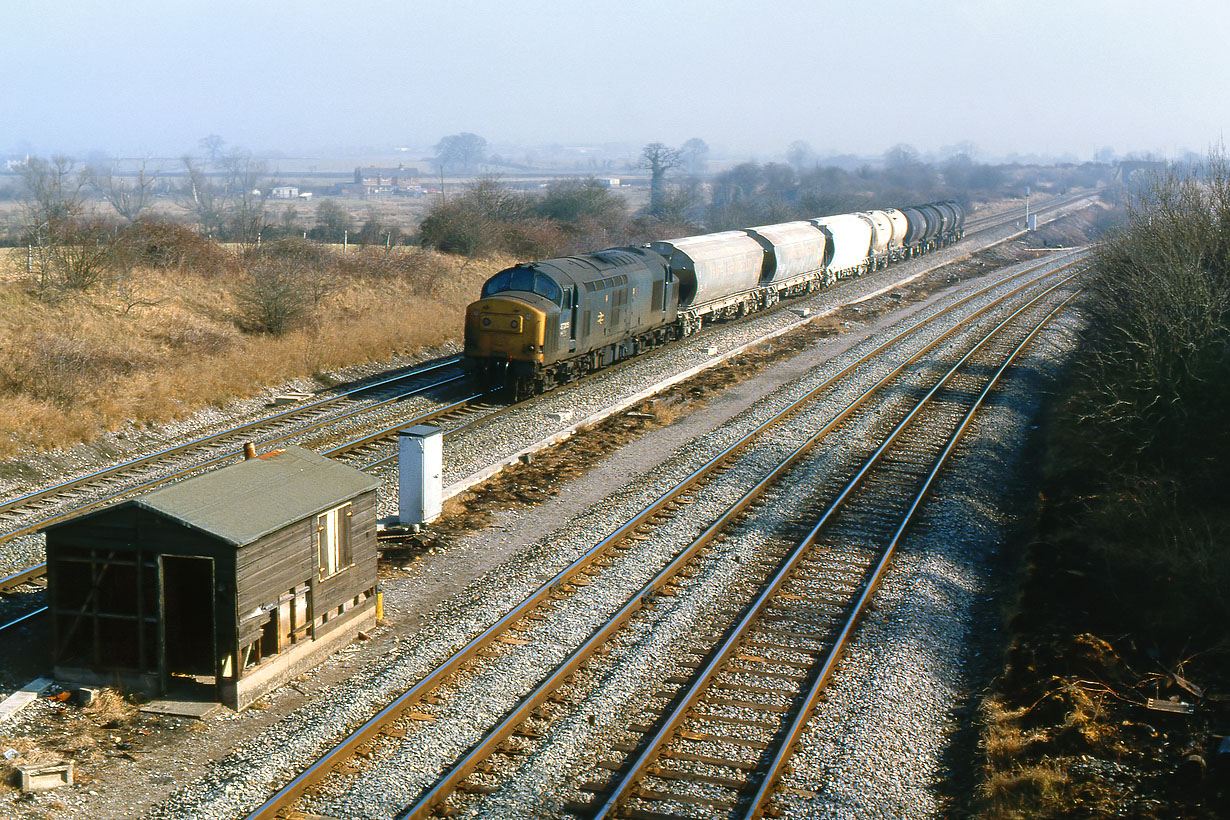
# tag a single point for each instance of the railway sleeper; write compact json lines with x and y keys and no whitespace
{"x":477,"y":788}
{"x":701,"y":717}
{"x":768,"y":673}
{"x":652,"y":795}
{"x":695,"y":777}
{"x":721,"y":686}
{"x":730,"y":740}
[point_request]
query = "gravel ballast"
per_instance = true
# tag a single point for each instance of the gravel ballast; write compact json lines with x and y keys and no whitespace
{"x":438,"y":605}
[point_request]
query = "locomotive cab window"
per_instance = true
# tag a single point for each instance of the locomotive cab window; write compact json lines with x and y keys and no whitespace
{"x":498,"y":283}
{"x":545,"y":286}
{"x":523,"y":279}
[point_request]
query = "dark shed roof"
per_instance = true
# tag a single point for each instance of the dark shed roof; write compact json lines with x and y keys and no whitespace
{"x":245,"y":501}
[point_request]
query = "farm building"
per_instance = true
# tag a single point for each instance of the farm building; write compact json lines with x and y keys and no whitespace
{"x":222,"y":586}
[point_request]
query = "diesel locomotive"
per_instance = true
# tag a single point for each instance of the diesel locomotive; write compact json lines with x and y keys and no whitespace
{"x":540,"y":324}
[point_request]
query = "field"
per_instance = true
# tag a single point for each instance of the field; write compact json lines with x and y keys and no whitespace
{"x":158,"y":344}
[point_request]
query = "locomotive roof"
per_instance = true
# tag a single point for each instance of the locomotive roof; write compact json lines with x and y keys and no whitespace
{"x":589,"y":266}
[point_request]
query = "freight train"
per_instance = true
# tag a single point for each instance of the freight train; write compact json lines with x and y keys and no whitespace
{"x":540,"y":324}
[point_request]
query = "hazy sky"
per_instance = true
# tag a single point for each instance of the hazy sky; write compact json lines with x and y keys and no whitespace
{"x":140,"y":77}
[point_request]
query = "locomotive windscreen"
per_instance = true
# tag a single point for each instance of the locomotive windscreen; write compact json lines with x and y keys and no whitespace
{"x":523,"y":279}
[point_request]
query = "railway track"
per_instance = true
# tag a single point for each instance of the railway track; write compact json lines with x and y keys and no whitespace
{"x":32,"y":511}
{"x":986,"y":223}
{"x":724,"y":738}
{"x":586,"y":570}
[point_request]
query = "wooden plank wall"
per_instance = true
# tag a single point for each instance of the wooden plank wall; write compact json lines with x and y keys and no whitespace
{"x":271,"y":566}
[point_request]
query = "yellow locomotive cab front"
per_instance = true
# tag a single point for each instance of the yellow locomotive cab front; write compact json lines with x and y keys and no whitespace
{"x":502,"y":328}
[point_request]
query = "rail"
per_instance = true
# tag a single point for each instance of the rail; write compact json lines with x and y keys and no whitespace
{"x":319,"y":769}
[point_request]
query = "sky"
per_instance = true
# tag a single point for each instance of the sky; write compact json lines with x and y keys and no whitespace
{"x":319,"y":77}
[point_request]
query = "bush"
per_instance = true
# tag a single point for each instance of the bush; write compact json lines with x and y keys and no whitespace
{"x":454,"y":228}
{"x":59,"y":369}
{"x":272,"y":297}
{"x":1157,"y":359}
{"x":168,"y":246}
{"x":294,"y":250}
{"x":1138,"y":434}
{"x":421,"y":269}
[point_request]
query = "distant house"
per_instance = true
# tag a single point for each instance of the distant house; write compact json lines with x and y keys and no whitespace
{"x":220,"y":587}
{"x":375,"y":181}
{"x":1129,"y":168}
{"x":284,"y":192}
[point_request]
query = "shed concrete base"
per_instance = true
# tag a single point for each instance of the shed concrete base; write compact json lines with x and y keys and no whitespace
{"x":241,"y":694}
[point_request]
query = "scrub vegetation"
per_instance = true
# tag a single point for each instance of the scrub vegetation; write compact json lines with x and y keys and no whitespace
{"x":175,"y":323}
{"x":1124,"y":594}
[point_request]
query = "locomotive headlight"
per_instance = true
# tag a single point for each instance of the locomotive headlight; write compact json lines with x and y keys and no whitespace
{"x":486,"y":321}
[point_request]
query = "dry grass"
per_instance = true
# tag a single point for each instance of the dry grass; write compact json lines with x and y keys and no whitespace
{"x":1026,"y":791}
{"x":1021,"y":781}
{"x":160,"y":344}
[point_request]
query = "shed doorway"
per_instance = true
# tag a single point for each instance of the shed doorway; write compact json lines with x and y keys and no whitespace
{"x":187,"y":622}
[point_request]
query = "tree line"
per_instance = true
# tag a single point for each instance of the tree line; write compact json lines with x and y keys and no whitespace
{"x":576,"y":215}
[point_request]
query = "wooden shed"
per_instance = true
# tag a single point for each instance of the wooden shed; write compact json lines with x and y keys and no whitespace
{"x":227,"y":584}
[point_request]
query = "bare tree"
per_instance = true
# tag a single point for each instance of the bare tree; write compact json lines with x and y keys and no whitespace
{"x":333,"y":222}
{"x":460,"y":151}
{"x":67,"y":252}
{"x":245,"y":197}
{"x":233,"y":207}
{"x":800,"y":156}
{"x":202,"y":196}
{"x":659,"y":159}
{"x":129,"y":196}
{"x":904,"y":169}
{"x":212,"y":146}
{"x":681,"y":204}
{"x":693,"y":155}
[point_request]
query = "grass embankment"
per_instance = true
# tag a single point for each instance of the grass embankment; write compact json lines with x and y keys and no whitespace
{"x":160,"y":339}
{"x":1125,"y":590}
